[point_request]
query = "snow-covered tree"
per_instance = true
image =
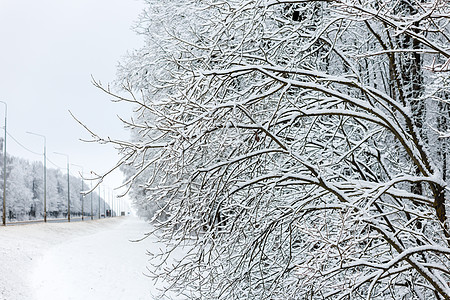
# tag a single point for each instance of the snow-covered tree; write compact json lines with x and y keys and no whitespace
{"x":148,"y":69}
{"x":18,"y":189}
{"x":298,"y":147}
{"x":25,"y":191}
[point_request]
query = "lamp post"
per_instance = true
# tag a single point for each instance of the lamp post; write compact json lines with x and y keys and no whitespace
{"x":82,"y":188}
{"x":45,"y":173}
{"x":4,"y":170}
{"x":68,"y":185}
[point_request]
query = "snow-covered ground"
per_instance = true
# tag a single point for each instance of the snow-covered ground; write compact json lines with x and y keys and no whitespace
{"x":83,"y":260}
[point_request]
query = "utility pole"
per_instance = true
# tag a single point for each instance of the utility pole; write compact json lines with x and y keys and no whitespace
{"x":4,"y":170}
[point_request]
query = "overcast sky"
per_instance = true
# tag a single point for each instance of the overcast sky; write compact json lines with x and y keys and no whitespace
{"x":49,"y":50}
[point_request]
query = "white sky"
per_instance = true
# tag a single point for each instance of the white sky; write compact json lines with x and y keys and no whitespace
{"x":48,"y":51}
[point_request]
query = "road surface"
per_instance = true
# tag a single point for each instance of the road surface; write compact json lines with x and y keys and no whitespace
{"x":102,"y":265}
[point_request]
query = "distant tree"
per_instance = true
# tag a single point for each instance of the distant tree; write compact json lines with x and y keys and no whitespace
{"x":17,"y":189}
{"x":296,"y":157}
{"x":25,"y":191}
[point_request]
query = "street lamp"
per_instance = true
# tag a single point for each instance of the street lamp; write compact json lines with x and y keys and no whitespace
{"x":4,"y":170}
{"x":82,"y":188}
{"x":68,"y":185}
{"x":45,"y":173}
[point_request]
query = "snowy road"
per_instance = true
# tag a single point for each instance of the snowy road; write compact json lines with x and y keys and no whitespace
{"x":89,"y":260}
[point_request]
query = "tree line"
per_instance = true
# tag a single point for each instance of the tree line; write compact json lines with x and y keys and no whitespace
{"x":25,"y":192}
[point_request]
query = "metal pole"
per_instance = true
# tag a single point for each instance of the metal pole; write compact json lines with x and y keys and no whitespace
{"x":45,"y":173}
{"x":68,"y":185}
{"x":4,"y":170}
